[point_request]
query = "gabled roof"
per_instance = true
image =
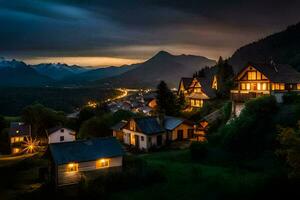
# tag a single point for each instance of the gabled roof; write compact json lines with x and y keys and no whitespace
{"x":206,"y":84}
{"x":85,"y":150}
{"x":277,"y":73}
{"x":19,"y":129}
{"x":119,"y":125}
{"x":56,"y":128}
{"x":149,"y":125}
{"x":186,"y":82}
{"x":170,"y":123}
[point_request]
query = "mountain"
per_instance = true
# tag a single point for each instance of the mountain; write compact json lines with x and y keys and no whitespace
{"x":58,"y":71}
{"x":97,"y":74}
{"x":282,"y":47}
{"x":162,"y":66}
{"x":18,"y":73}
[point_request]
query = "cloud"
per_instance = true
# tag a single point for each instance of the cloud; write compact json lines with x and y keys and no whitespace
{"x":136,"y":29}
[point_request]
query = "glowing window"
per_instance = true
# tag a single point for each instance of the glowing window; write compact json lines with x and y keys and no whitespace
{"x":258,"y":86}
{"x":72,"y":167}
{"x":258,"y":76}
{"x":264,"y":86}
{"x":198,"y":90}
{"x":243,"y":86}
{"x":248,"y":86}
{"x":102,"y":163}
{"x":132,"y":125}
{"x":16,"y":150}
{"x":251,"y":75}
{"x":298,"y":86}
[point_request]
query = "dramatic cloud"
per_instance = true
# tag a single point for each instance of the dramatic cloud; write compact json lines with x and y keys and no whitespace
{"x":135,"y":29}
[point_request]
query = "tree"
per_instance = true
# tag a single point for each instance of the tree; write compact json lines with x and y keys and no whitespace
{"x":289,"y":139}
{"x":224,"y":76}
{"x":253,"y":131}
{"x":166,"y":100}
{"x":181,"y":102}
{"x":41,"y":118}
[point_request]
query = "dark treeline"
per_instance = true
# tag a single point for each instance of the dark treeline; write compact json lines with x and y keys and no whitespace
{"x":13,"y":100}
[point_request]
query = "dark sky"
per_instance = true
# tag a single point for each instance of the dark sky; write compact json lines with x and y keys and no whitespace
{"x":103,"y":32}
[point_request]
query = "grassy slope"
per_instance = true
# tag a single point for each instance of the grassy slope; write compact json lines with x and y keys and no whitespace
{"x":190,"y":180}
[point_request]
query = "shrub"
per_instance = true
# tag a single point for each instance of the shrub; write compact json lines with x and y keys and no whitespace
{"x":198,"y":150}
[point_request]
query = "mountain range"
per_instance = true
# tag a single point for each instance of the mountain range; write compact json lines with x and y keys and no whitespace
{"x":162,"y":66}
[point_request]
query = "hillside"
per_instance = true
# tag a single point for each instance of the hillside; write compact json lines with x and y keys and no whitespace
{"x":162,"y":66}
{"x":17,"y":73}
{"x":282,"y":47}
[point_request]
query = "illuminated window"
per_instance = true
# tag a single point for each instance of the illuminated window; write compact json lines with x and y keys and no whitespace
{"x":248,"y":86}
{"x":251,"y":75}
{"x":278,"y":86}
{"x":132,"y":125}
{"x":197,"y":90}
{"x":16,"y":150}
{"x":196,"y":103}
{"x":258,"y":76}
{"x":258,"y":86}
{"x":243,"y":86}
{"x":298,"y":86}
{"x":102,"y":163}
{"x":264,"y":86}
{"x":72,"y":167}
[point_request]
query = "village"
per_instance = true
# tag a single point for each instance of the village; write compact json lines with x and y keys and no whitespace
{"x":73,"y":159}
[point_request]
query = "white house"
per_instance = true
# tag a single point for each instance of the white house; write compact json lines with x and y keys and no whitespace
{"x":144,"y":133}
{"x":60,"y":134}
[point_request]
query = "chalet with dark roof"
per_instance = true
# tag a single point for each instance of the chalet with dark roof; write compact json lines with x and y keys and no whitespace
{"x":144,"y":133}
{"x":197,"y":90}
{"x":264,"y":79}
{"x":70,"y":162}
{"x":18,"y":133}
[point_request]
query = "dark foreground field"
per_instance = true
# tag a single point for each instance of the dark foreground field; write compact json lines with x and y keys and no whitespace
{"x":179,"y":178}
{"x":13,"y":100}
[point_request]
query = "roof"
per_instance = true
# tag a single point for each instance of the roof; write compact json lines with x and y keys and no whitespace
{"x":170,"y":123}
{"x":19,"y":129}
{"x":277,"y":73}
{"x":119,"y":125}
{"x":56,"y":128}
{"x":85,"y":150}
{"x":186,"y":82}
{"x":206,"y":85}
{"x":149,"y":125}
{"x":198,"y":96}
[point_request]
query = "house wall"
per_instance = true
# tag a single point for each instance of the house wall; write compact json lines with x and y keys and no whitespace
{"x":146,"y":143}
{"x":118,"y":134}
{"x":183,"y":127}
{"x":69,"y":136}
{"x":67,"y":178}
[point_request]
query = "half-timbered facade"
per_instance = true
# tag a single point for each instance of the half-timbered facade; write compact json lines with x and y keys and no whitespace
{"x":197,"y":90}
{"x":256,"y":80}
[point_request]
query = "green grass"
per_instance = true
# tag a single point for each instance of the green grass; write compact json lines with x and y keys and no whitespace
{"x":186,"y":179}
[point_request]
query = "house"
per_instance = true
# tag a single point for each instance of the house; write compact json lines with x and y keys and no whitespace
{"x":264,"y":79}
{"x":197,"y":90}
{"x":70,"y":162}
{"x":117,"y":130}
{"x":144,"y":133}
{"x":60,"y":134}
{"x":18,"y":134}
{"x":178,"y":129}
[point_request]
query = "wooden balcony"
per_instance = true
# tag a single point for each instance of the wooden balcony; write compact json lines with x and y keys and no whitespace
{"x":243,"y":96}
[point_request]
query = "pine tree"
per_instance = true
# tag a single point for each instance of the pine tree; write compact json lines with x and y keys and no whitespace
{"x":224,"y":77}
{"x":166,"y":100}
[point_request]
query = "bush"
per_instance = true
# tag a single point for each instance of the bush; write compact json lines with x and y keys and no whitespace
{"x":253,"y":131}
{"x":198,"y":150}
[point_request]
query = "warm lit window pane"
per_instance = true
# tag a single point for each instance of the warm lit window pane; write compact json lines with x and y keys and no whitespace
{"x":298,"y":86}
{"x":102,"y":163}
{"x":258,"y":76}
{"x":258,"y":86}
{"x":281,"y":86}
{"x":264,"y":86}
{"x":251,"y":75}
{"x":248,"y":86}
{"x":72,"y":167}
{"x":243,"y":86}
